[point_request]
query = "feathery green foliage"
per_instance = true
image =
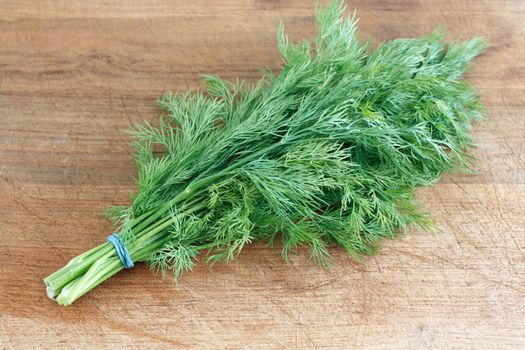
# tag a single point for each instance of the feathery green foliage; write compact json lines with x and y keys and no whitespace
{"x":329,"y":151}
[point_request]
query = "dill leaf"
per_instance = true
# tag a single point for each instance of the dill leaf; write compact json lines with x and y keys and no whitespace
{"x":329,"y":151}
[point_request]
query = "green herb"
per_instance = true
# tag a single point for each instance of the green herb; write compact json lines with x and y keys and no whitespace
{"x":329,"y":151}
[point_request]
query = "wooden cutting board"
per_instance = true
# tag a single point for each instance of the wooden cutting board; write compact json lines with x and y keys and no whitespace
{"x":74,"y":76}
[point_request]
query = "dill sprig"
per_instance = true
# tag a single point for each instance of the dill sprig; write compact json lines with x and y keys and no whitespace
{"x":328,"y":151}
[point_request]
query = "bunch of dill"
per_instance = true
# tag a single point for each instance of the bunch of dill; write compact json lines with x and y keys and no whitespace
{"x":329,"y":151}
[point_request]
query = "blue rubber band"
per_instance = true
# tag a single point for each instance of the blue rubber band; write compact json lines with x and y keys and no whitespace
{"x":122,"y":250}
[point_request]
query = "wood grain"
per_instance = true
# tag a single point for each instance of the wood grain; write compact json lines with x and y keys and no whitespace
{"x":74,"y":75}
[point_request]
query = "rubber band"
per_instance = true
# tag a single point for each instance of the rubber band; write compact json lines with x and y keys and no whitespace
{"x":122,"y":250}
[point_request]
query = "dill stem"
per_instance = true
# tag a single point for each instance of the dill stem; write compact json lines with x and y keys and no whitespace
{"x":108,"y":264}
{"x":82,"y":263}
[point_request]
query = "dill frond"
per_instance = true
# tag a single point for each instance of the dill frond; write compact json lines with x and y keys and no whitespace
{"x":328,"y":151}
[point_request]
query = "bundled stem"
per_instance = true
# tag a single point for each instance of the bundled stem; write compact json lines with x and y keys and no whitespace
{"x":329,"y":151}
